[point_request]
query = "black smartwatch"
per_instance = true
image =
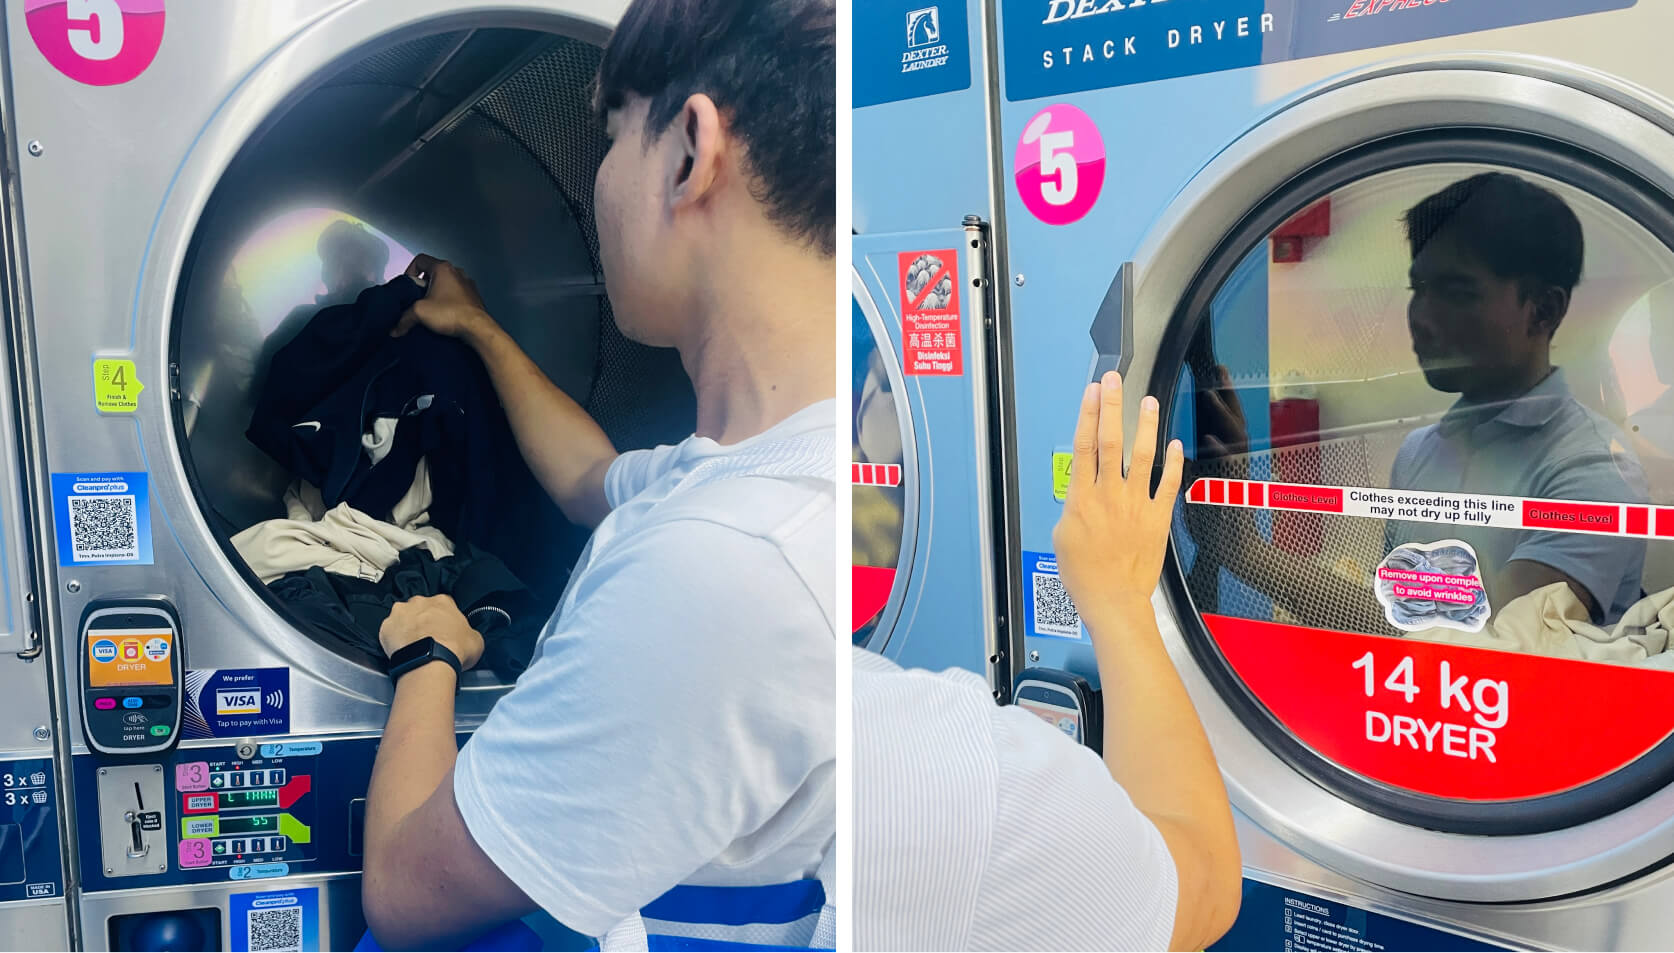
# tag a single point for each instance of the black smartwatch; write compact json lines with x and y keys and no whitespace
{"x":420,"y":654}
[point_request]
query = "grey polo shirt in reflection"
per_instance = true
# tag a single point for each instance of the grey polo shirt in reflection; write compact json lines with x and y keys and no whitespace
{"x":1544,"y":445}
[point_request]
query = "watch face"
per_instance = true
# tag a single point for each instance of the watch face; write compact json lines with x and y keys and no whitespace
{"x":410,"y":653}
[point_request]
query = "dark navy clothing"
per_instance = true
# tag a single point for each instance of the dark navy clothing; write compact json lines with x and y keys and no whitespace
{"x":351,"y":610}
{"x":343,"y":371}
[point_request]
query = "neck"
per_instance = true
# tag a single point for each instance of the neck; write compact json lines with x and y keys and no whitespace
{"x":1514,"y":385}
{"x":763,"y":345}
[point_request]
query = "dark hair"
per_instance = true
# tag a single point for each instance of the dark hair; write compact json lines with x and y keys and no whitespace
{"x":345,"y":237}
{"x":1520,"y":230}
{"x":770,"y":67}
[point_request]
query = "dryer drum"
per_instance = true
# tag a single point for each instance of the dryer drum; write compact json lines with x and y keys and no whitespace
{"x":476,"y":145}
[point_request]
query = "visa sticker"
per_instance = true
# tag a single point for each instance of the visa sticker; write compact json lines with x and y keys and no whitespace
{"x":116,"y":386}
{"x":274,"y":919}
{"x":224,"y":703}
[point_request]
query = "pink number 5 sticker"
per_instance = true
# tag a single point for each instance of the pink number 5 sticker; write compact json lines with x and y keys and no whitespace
{"x":97,"y":42}
{"x":1059,"y":165}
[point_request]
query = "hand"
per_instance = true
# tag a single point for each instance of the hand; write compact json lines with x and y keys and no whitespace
{"x":434,"y":616}
{"x":1111,"y":538}
{"x":451,"y":305}
{"x":1222,"y":430}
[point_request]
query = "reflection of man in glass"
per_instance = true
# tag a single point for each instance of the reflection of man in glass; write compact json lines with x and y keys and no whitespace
{"x":352,"y":259}
{"x":1653,"y":427}
{"x":1495,"y":260}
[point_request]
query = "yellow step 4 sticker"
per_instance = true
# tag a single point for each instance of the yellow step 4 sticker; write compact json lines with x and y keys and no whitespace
{"x":116,"y":386}
{"x":1060,"y":475}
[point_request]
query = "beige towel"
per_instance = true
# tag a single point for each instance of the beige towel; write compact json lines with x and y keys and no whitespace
{"x":1552,"y":621}
{"x":342,"y":540}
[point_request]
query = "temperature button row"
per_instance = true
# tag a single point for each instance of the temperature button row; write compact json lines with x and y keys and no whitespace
{"x":221,"y":780}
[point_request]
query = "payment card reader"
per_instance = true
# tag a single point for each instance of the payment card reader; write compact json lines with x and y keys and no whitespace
{"x":1065,"y":701}
{"x":131,"y":675}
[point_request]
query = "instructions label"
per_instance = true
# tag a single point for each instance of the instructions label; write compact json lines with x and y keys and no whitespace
{"x":1426,"y":585}
{"x":1447,"y":720}
{"x":223,"y":703}
{"x":275,"y":920}
{"x":116,"y":386}
{"x":1273,"y":918}
{"x":931,"y":334}
{"x":102,"y":518}
{"x":1049,"y":613}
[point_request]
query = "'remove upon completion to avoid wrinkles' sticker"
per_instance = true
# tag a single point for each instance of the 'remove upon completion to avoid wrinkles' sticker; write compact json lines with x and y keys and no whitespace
{"x":1429,"y":585}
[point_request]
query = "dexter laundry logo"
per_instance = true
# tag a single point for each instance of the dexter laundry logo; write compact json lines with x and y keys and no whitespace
{"x":925,"y":49}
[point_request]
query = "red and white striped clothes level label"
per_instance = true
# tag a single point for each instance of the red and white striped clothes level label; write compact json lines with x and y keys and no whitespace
{"x":1447,"y":509}
{"x":875,"y":474}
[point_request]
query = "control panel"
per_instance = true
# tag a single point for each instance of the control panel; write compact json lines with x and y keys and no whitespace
{"x":222,"y":812}
{"x":239,"y":813}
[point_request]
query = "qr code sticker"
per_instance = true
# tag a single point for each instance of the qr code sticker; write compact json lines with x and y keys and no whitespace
{"x":1054,"y":612}
{"x":276,"y":930}
{"x":104,"y":528}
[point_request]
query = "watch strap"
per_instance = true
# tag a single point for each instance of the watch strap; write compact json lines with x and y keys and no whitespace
{"x":437,"y":652}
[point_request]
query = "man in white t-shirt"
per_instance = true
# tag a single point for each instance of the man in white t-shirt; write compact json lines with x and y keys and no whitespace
{"x":981,"y":827}
{"x":671,"y":746}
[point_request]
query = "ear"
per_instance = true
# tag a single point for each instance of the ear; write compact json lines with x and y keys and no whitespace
{"x":698,"y":151}
{"x":1550,"y":306}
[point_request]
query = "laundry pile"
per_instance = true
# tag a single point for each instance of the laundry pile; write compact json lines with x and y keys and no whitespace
{"x":1554,"y":622}
{"x":408,"y":483}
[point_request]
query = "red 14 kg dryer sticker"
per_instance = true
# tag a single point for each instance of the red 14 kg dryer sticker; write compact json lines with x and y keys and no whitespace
{"x":930,"y":342}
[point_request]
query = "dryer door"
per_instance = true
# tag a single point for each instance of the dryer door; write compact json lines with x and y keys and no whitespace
{"x":920,"y":418}
{"x":1424,"y":569}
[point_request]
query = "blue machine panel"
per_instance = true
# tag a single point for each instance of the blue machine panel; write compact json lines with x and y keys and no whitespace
{"x":291,"y":809}
{"x":30,"y":864}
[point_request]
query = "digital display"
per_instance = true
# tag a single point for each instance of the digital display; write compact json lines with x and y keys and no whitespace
{"x":118,"y":658}
{"x":260,"y":824}
{"x":268,"y":798}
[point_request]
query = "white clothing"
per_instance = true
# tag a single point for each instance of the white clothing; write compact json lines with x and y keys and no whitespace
{"x":981,"y":827}
{"x":677,"y":722}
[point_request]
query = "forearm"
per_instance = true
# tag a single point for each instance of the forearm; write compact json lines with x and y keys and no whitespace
{"x":1154,"y":746}
{"x":563,"y":445}
{"x":415,"y":756}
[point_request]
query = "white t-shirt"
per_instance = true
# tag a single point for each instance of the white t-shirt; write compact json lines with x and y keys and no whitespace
{"x":981,"y":827}
{"x":677,"y":722}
